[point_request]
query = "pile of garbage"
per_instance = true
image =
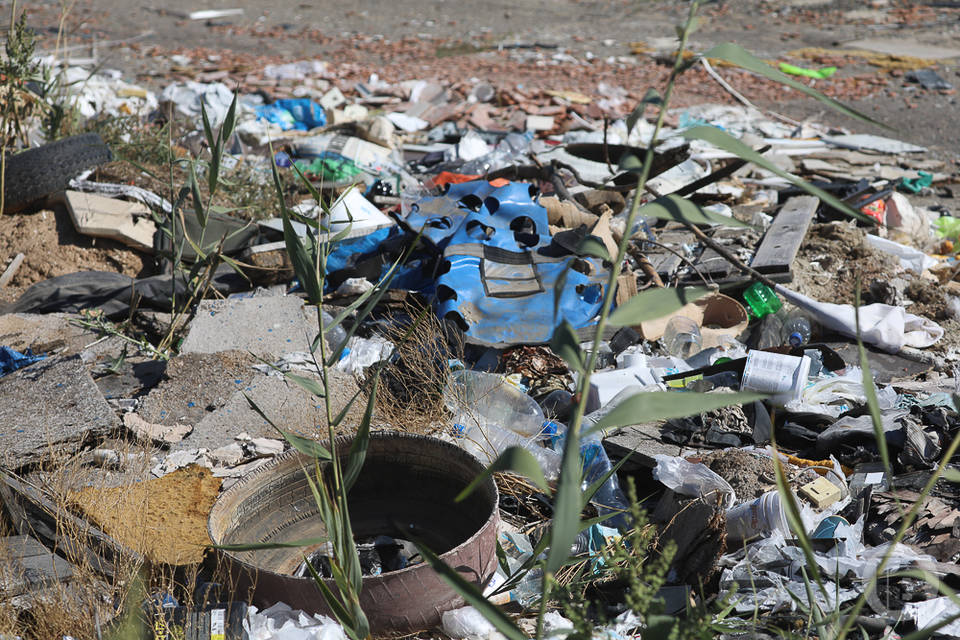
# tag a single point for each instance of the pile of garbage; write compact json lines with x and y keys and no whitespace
{"x":487,"y":223}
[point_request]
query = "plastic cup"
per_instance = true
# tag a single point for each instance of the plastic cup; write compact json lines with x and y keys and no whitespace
{"x":681,"y":337}
{"x":757,"y":518}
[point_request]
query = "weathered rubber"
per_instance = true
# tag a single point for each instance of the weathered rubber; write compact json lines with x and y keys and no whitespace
{"x":36,"y":173}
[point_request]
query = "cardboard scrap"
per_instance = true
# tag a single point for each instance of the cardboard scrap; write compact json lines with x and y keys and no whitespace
{"x":102,"y":217}
{"x":718,"y":315}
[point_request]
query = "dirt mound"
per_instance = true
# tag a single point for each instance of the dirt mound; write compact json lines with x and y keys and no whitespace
{"x":52,"y":247}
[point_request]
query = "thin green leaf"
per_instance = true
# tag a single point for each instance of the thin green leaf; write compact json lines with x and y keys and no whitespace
{"x":653,"y":304}
{"x":677,"y":209}
{"x":346,"y":409}
{"x":233,"y":264}
{"x":631,"y":163}
{"x":339,"y":611}
{"x":213,"y":172}
{"x":870,"y":392}
{"x":306,"y":446}
{"x":652,"y":97}
{"x":644,"y":407}
{"x":951,"y":474}
{"x":742,"y":58}
{"x":593,"y":246}
{"x":558,"y":288}
{"x":566,"y":511}
{"x":257,"y":546}
{"x":515,"y":460}
{"x":207,"y":129}
{"x":197,"y":198}
{"x":358,"y":449}
{"x":310,"y":385}
{"x":472,"y":595}
{"x":502,"y":559}
{"x":792,"y":512}
{"x":566,"y":344}
{"x":216,"y":208}
{"x":723,"y":140}
{"x":226,"y":130}
{"x":659,"y":627}
{"x":302,"y":264}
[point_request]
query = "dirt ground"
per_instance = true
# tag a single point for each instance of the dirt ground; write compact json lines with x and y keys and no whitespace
{"x":52,"y":247}
{"x":410,"y":39}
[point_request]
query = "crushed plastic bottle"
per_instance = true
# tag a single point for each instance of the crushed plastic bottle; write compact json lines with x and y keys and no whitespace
{"x":336,"y":336}
{"x":681,"y":338}
{"x":485,"y":440}
{"x":496,"y":399}
{"x":761,"y":300}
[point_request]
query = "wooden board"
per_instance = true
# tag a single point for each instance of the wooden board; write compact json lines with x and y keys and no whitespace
{"x":31,"y":566}
{"x":101,"y":217}
{"x":780,"y":244}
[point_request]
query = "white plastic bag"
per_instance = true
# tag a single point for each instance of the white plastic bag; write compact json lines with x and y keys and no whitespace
{"x":694,"y":480}
{"x":881,"y":325}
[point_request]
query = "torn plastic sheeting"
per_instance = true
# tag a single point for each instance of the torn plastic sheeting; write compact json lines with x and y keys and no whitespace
{"x":885,"y":326}
{"x":501,"y":265}
{"x":910,"y":258}
{"x":280,"y":622}
{"x":768,"y":571}
{"x":831,"y":396}
{"x":301,"y":114}
{"x":11,"y":360}
{"x":189,"y":96}
{"x":930,"y":612}
{"x":693,"y":480}
{"x":896,"y":424}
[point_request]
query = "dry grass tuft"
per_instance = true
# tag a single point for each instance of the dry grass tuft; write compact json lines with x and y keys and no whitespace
{"x":410,"y":395}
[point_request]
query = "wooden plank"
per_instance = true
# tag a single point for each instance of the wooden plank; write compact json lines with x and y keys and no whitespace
{"x":57,"y":528}
{"x":101,"y":217}
{"x":780,"y":244}
{"x":30,"y":566}
{"x":664,"y":262}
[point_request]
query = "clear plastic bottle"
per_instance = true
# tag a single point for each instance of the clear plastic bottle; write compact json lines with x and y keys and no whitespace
{"x":486,"y":441}
{"x":499,"y":402}
{"x":797,"y":328}
{"x":681,"y":338}
{"x":335,"y":336}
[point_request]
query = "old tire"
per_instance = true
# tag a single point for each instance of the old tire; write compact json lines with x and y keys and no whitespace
{"x":37,"y":173}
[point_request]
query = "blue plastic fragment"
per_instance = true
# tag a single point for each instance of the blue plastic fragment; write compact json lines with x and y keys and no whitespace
{"x":11,"y":360}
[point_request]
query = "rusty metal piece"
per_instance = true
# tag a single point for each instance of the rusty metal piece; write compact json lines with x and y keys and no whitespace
{"x":405,"y":490}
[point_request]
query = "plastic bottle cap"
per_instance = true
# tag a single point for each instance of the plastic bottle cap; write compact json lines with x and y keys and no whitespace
{"x":796,"y":339}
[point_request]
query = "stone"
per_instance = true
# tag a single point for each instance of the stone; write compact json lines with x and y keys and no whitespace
{"x":50,"y":409}
{"x":158,"y":433}
{"x":264,"y":326}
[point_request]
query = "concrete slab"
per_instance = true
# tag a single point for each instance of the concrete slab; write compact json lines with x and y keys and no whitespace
{"x":196,"y":384}
{"x":643,"y":442}
{"x":904,"y":47}
{"x":50,"y":409}
{"x":266,"y":326}
{"x":44,"y":333}
{"x":288,"y":405}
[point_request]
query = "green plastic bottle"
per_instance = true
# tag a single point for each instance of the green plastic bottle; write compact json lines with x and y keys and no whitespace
{"x":761,"y":300}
